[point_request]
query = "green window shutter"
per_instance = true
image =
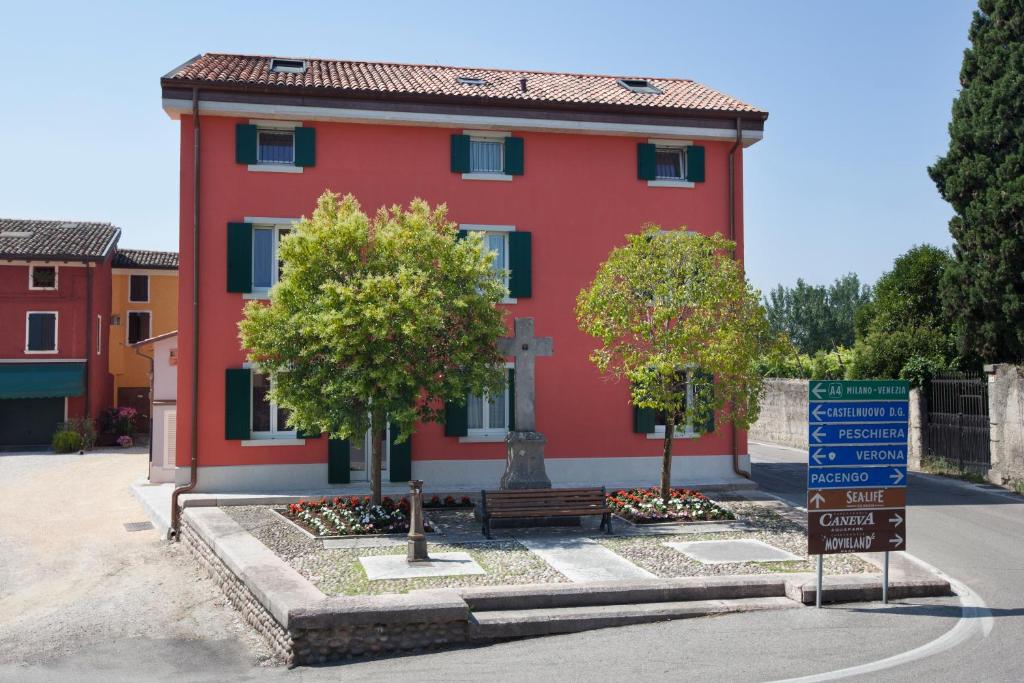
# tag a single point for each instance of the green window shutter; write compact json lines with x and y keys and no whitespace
{"x":511,"y":399}
{"x":514,"y":156}
{"x":400,"y":463}
{"x":245,"y":143}
{"x":462,"y":235}
{"x":456,"y":419}
{"x":646,"y":155}
{"x":520,"y":263}
{"x":643,"y":420}
{"x":695,"y":164}
{"x":460,"y":154}
{"x":339,"y":466}
{"x":305,"y":146}
{"x":237,"y":403}
{"x":239,"y":257}
{"x":702,"y":387}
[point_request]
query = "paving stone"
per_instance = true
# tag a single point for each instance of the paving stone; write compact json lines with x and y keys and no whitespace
{"x":732,"y":551}
{"x":379,"y":567}
{"x":365,"y":542}
{"x":582,"y":559}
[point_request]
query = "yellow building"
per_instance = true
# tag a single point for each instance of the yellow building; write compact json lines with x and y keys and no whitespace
{"x":144,"y":304}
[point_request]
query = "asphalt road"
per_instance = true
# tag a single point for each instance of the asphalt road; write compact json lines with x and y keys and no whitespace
{"x":129,"y":608}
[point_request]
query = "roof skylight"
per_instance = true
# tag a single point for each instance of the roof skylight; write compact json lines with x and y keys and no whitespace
{"x":640,"y":85}
{"x":288,"y":66}
{"x":471,"y":80}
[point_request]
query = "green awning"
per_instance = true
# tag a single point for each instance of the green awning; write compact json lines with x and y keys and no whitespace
{"x":41,"y":380}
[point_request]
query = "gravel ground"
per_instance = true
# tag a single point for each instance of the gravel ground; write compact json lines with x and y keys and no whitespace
{"x":650,"y":552}
{"x":339,"y":572}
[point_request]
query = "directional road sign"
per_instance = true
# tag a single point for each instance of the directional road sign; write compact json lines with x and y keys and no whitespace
{"x":857,"y":466}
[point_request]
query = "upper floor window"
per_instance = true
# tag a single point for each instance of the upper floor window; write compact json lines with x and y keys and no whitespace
{"x":268,"y":419}
{"x":41,"y":332}
{"x":670,"y":163}
{"x":138,"y":326}
{"x":266,"y":265}
{"x":486,"y":155}
{"x":275,"y":146}
{"x":42,"y":277}
{"x":138,"y":288}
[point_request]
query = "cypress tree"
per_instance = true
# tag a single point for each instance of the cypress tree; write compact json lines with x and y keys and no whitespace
{"x":982,"y":177}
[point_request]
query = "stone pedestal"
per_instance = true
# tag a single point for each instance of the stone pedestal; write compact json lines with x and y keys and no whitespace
{"x":524,"y":466}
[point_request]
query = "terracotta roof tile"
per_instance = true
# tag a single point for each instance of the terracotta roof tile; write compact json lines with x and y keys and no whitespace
{"x":420,"y":80}
{"x":29,"y":238}
{"x":141,"y":258}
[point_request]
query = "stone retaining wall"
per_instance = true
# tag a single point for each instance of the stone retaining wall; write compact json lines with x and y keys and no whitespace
{"x":783,"y":418}
{"x":1006,"y":420}
{"x":239,"y":595}
{"x":301,"y":624}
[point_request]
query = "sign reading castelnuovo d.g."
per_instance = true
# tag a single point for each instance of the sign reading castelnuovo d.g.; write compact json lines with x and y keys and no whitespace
{"x":857,"y":466}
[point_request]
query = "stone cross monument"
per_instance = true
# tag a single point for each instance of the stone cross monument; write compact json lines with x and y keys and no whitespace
{"x":524,"y":468}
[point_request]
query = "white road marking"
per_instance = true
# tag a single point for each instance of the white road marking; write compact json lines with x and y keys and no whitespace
{"x":975,"y":619}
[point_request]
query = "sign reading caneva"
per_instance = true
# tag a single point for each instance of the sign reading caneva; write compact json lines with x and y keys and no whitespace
{"x":856,"y":473}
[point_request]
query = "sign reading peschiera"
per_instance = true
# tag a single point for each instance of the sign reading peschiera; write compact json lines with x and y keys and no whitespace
{"x":857,"y":466}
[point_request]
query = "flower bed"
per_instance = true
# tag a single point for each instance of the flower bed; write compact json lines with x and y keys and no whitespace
{"x":645,"y":506}
{"x":355,"y":516}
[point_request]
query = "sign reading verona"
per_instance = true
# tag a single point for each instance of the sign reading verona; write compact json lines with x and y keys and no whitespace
{"x":857,"y":466}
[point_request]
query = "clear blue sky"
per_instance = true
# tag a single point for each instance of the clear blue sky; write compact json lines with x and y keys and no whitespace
{"x":859,"y":98}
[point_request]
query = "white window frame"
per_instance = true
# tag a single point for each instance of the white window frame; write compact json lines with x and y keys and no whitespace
{"x":688,"y":431}
{"x":56,"y":276}
{"x":99,"y":334}
{"x":278,"y":127}
{"x":148,"y":283}
{"x":280,"y":437}
{"x":56,"y":333}
{"x":495,"y":230}
{"x":662,"y":145}
{"x":488,"y":136}
{"x":486,"y":434}
{"x":128,"y":325}
{"x":276,"y":225}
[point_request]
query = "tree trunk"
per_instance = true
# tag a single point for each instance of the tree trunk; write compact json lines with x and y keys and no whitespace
{"x":666,"y":458}
{"x":378,"y":431}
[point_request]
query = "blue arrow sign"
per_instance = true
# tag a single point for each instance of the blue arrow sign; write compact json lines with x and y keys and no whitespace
{"x":892,"y":432}
{"x":857,"y":455}
{"x":858,"y":411}
{"x":856,"y":477}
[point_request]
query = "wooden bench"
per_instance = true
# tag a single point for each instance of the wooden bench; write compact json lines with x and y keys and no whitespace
{"x":526,"y":503}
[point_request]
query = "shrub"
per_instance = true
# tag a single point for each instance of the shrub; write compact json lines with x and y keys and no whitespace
{"x":67,"y":441}
{"x":85,"y":428}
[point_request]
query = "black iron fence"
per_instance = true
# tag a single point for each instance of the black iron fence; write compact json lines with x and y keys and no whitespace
{"x":957,"y":425}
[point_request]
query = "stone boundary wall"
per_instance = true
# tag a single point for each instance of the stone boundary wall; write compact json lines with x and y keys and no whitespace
{"x":1006,"y":420}
{"x":783,"y":418}
{"x":301,"y":624}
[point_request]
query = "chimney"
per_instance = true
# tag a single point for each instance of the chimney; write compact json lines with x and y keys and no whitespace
{"x":522,"y":84}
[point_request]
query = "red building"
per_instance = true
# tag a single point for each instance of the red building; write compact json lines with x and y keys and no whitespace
{"x":55,"y":280}
{"x":555,"y":168}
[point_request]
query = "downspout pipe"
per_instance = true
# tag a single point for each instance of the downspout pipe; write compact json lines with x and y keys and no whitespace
{"x":733,"y":437}
{"x":175,"y":530}
{"x":88,"y":336}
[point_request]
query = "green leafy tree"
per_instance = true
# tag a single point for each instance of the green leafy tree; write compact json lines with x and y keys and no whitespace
{"x":816,"y":317}
{"x":376,"y":320}
{"x":906,"y":323}
{"x":982,"y":177}
{"x":672,"y":307}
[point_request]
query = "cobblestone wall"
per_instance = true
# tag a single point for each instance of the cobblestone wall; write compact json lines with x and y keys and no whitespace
{"x":783,"y":418}
{"x":298,"y":646}
{"x":240,"y":596}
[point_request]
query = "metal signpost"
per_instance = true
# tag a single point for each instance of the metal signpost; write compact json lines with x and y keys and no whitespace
{"x":857,"y":469}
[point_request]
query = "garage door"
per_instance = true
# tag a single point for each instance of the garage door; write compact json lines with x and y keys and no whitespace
{"x":29,"y":421}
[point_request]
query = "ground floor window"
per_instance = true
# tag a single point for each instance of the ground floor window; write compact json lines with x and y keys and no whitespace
{"x":488,"y":415}
{"x":269,"y":421}
{"x":660,"y":416}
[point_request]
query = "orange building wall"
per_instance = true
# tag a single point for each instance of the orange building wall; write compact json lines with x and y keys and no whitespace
{"x":128,"y":368}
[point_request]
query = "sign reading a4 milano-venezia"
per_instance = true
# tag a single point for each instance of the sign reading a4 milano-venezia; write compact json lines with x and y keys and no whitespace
{"x":857,"y":466}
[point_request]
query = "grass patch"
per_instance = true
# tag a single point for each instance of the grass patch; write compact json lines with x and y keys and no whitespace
{"x":945,"y":467}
